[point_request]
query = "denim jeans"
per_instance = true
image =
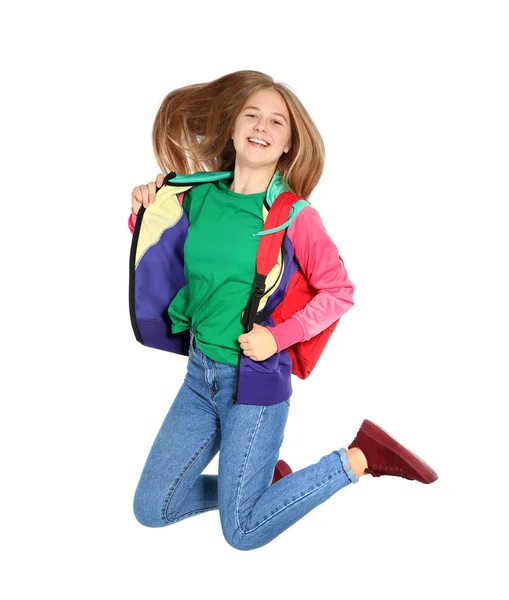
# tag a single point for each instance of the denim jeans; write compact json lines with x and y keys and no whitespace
{"x":202,"y":421}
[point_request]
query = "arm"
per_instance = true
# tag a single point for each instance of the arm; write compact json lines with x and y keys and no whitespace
{"x":319,"y":260}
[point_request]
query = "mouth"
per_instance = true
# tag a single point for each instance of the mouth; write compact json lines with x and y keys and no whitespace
{"x":253,"y":141}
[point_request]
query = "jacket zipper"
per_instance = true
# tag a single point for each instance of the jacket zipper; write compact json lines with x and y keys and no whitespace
{"x":258,"y":290}
{"x":236,"y":394}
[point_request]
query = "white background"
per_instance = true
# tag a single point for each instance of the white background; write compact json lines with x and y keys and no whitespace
{"x":412,"y":101}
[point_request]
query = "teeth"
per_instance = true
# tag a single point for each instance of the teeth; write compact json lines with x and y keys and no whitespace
{"x":258,"y":141}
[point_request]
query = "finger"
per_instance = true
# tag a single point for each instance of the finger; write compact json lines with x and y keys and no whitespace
{"x":151,"y":192}
{"x":144,"y":195}
{"x":137,"y":199}
{"x":159,"y":180}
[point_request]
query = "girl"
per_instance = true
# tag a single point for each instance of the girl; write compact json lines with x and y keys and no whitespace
{"x":247,"y":123}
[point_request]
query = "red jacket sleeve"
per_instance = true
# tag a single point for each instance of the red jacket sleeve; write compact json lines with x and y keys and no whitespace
{"x":320,"y":262}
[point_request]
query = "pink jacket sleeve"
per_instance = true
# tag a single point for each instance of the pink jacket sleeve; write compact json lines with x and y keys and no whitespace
{"x":319,"y":260}
{"x":131,"y":221}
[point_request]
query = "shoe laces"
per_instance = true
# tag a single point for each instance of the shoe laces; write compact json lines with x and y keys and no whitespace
{"x":378,"y":470}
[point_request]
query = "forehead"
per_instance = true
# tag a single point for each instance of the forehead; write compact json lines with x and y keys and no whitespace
{"x":268,"y":100}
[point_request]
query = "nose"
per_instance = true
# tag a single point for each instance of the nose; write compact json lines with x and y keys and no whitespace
{"x":260,"y":125}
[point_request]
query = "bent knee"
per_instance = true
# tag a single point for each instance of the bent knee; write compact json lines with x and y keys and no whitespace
{"x":239,"y":540}
{"x":149,"y":512}
{"x":148,"y":518}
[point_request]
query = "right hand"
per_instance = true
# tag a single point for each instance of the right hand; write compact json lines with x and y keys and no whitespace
{"x":145,"y":194}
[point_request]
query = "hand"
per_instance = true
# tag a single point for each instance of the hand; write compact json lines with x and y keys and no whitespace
{"x":145,"y":194}
{"x":258,"y":344}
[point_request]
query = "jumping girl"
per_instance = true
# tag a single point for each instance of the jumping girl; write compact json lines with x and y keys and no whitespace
{"x":243,"y":139}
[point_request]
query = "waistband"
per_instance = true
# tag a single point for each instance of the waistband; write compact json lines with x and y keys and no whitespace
{"x":193,"y":348}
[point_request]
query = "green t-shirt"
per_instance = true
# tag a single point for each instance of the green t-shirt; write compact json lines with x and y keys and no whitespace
{"x":219,"y":266}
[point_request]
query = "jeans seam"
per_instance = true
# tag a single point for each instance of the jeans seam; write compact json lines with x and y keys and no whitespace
{"x":291,"y":504}
{"x":176,"y":484}
{"x":239,"y":491}
{"x":204,"y":368}
{"x":216,"y":377}
{"x":213,"y":392}
{"x":191,"y":513}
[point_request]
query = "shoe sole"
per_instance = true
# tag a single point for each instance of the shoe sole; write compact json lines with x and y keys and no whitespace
{"x":375,"y":432}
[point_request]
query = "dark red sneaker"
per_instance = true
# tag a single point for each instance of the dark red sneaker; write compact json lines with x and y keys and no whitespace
{"x":386,"y":456}
{"x":281,"y":470}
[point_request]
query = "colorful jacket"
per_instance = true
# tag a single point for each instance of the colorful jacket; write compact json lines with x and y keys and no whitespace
{"x":157,"y":274}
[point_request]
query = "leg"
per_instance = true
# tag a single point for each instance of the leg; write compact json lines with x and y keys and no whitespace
{"x":171,"y":487}
{"x":357,"y":461}
{"x":252,"y":511}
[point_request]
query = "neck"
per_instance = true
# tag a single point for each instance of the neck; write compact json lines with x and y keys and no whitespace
{"x":247,"y":180}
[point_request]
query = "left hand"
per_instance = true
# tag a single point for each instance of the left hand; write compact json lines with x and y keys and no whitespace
{"x":258,"y":344}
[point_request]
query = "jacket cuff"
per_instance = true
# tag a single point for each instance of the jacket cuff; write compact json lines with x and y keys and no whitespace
{"x":132,"y":220}
{"x":287,"y":333}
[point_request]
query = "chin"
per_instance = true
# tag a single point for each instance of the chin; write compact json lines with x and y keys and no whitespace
{"x":248,"y":162}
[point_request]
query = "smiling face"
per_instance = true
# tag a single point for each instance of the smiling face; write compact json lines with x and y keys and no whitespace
{"x":262,"y":131}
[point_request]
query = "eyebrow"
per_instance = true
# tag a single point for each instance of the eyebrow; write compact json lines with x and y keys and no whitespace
{"x":274,"y":113}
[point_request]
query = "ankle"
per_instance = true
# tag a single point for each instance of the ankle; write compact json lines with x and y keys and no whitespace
{"x":358,"y":461}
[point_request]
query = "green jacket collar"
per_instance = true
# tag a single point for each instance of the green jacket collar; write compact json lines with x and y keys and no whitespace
{"x":275,"y":187}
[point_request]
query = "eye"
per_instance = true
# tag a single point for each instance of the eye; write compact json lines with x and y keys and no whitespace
{"x":250,"y":115}
{"x":277,"y":122}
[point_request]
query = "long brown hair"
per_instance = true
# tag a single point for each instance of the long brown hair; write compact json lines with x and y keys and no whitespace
{"x":192,"y":128}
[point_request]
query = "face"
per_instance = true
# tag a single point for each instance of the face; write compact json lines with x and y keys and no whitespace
{"x":264,"y":117}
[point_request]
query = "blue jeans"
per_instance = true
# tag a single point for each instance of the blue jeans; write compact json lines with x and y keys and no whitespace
{"x":202,"y":421}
